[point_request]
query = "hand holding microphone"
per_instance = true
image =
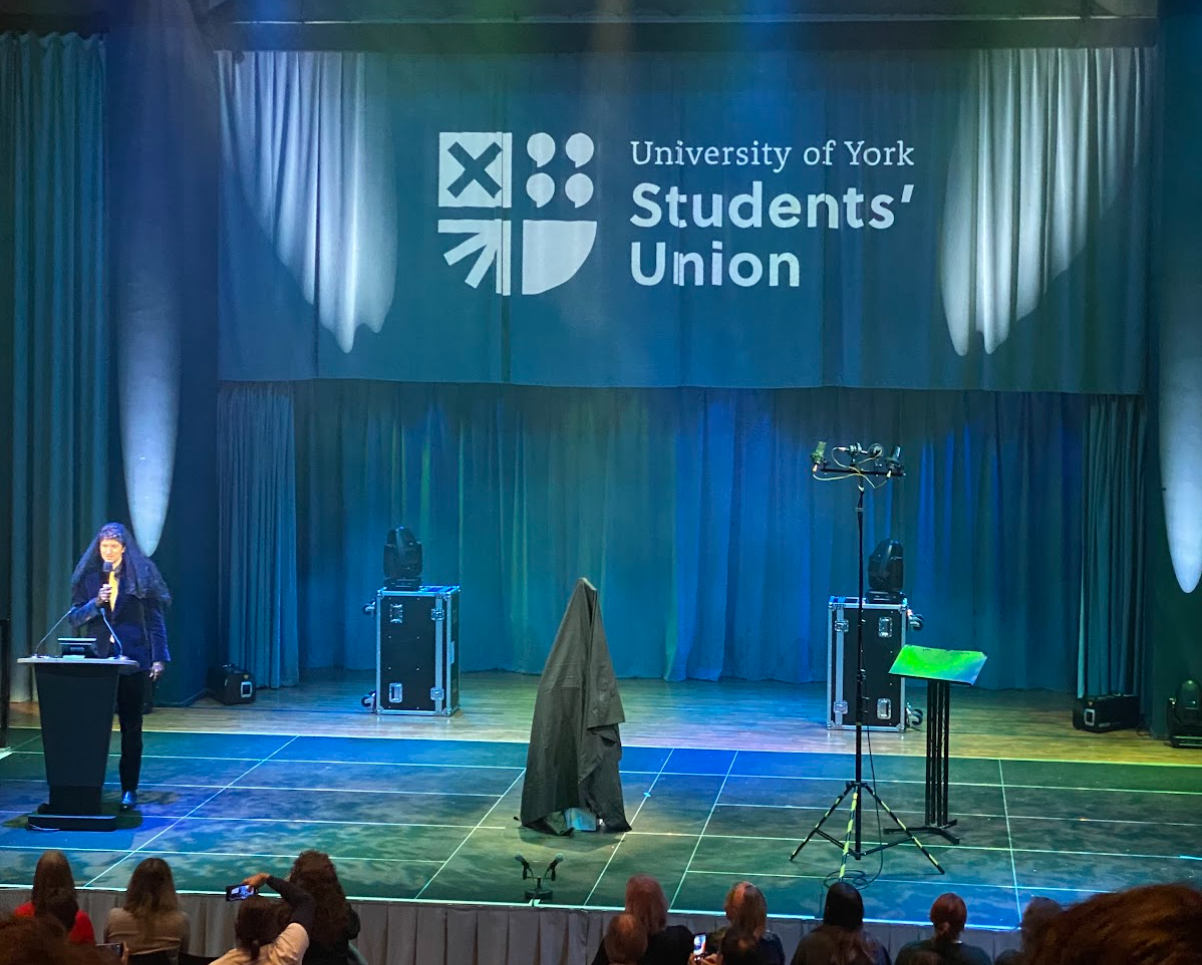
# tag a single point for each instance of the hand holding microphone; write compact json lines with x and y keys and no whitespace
{"x":105,"y":595}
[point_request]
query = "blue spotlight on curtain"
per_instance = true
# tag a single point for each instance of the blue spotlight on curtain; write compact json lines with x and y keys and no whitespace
{"x":1181,"y":414}
{"x":148,"y":383}
{"x":1008,"y":234}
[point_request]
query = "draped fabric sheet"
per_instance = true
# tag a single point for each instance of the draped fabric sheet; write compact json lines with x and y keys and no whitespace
{"x":695,"y":514}
{"x":53,"y":326}
{"x":430,"y":933}
{"x":257,"y":533}
{"x":908,"y":219}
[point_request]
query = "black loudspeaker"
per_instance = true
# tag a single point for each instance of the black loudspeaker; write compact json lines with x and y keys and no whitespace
{"x":1104,"y":712}
{"x":231,"y":685}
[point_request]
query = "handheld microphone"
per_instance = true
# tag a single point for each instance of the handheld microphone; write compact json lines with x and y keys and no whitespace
{"x":107,"y":570}
{"x":527,"y":871}
{"x":118,"y":649}
{"x":551,"y":867}
{"x":819,"y":453}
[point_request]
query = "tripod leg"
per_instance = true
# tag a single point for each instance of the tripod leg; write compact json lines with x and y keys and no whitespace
{"x":851,"y":826}
{"x":904,"y":830}
{"x":821,"y":821}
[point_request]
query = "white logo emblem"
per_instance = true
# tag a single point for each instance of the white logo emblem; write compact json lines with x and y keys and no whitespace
{"x":475,"y":170}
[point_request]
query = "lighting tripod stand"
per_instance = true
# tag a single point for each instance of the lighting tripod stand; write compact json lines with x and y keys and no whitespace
{"x":863,"y":465}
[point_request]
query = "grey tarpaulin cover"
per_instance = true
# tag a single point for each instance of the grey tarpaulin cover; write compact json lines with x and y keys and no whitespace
{"x":572,"y":763}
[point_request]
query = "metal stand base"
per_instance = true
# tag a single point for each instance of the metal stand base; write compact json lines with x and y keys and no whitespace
{"x":854,"y":788}
{"x":939,"y":700}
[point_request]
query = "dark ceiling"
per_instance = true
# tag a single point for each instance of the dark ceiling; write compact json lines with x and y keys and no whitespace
{"x":626,"y":24}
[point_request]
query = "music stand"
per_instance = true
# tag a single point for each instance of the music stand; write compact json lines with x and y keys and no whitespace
{"x":940,"y":669}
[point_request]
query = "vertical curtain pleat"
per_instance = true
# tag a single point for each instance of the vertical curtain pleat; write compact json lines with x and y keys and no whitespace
{"x":695,"y":513}
{"x":52,"y":258}
{"x":1111,"y":646}
{"x":257,"y":532}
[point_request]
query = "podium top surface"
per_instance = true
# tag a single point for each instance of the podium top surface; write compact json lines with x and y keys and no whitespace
{"x":121,"y":663}
{"x":930,"y":663}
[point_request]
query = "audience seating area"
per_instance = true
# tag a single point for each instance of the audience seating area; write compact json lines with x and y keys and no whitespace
{"x":412,"y":933}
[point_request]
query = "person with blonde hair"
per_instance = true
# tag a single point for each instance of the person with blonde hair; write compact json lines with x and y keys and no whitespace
{"x":150,"y":919}
{"x":747,"y":909}
{"x":54,"y":897}
{"x":666,"y":944}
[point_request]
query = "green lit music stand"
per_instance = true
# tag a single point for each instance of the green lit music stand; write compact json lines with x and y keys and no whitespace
{"x":940,"y":669}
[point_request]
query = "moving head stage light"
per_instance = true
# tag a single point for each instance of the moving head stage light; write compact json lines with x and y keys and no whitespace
{"x":402,"y":560}
{"x":1185,"y":716}
{"x":886,"y":573}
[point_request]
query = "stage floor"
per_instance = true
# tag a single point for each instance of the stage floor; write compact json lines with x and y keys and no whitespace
{"x":408,"y":813}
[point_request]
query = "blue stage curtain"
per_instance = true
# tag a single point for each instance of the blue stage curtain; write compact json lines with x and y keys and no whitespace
{"x":1113,"y":576}
{"x":695,"y":513}
{"x":54,"y":330}
{"x":256,"y":471}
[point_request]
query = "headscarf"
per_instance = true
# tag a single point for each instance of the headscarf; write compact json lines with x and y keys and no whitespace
{"x":138,"y":574}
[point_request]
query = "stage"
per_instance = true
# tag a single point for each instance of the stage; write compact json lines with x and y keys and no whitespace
{"x":722,"y":780}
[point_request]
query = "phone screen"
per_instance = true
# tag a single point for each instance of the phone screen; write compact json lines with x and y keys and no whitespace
{"x":699,"y":944}
{"x":115,"y":949}
{"x":238,"y":892}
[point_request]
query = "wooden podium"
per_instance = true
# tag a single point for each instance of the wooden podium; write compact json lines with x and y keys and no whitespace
{"x":76,"y":697}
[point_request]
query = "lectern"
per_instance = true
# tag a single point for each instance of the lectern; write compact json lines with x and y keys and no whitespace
{"x":940,"y":669}
{"x":76,"y":696}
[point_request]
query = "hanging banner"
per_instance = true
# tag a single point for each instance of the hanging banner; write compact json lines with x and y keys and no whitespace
{"x":927,"y":220}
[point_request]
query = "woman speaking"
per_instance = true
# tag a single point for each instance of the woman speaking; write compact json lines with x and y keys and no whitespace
{"x":115,"y":581}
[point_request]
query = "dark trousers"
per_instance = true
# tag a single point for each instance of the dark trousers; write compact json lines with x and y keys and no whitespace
{"x":131,"y":695}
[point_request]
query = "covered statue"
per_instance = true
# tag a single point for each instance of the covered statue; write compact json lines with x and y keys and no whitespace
{"x":572,"y":779}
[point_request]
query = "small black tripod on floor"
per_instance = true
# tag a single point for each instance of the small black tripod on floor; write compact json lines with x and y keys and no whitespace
{"x":863,"y":465}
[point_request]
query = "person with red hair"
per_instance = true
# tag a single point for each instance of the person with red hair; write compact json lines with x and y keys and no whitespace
{"x":666,"y":944}
{"x":1149,"y":925}
{"x":948,"y":915}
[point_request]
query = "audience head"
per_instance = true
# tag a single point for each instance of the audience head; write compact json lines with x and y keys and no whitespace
{"x":844,"y":907}
{"x":843,"y":919}
{"x":740,"y":947}
{"x":257,"y":925}
{"x":314,"y":872}
{"x":1036,"y":916}
{"x":747,"y":908}
{"x":52,"y":874}
{"x":625,"y":939}
{"x":645,"y":900}
{"x":58,"y":905}
{"x":948,"y":915}
{"x":43,"y":941}
{"x":151,"y":889}
{"x":1152,"y":925}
